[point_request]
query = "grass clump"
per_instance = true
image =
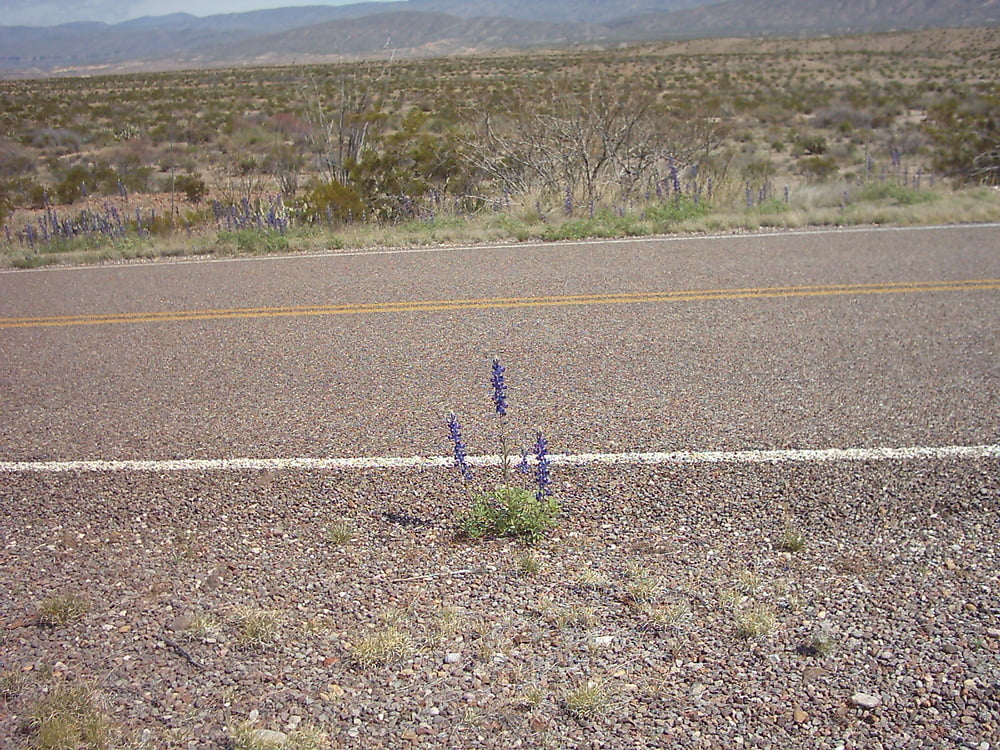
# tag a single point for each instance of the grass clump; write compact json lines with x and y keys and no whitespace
{"x":13,"y":683}
{"x":340,"y":532}
{"x":69,"y":717}
{"x":62,"y":609}
{"x":589,"y":699}
{"x":383,"y":647}
{"x":256,"y":628}
{"x":755,"y":620}
{"x":529,"y":565}
{"x":791,"y":540}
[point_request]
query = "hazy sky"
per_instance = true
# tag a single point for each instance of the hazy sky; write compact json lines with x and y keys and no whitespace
{"x":51,"y":12}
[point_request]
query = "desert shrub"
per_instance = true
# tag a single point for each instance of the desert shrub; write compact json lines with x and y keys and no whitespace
{"x":193,"y":187}
{"x":15,"y":160}
{"x":811,"y":145}
{"x":332,"y":202}
{"x":59,"y":140}
{"x":817,"y":167}
{"x":81,"y":180}
{"x":966,"y":136}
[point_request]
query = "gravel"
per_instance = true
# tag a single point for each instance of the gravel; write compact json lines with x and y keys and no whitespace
{"x":219,"y":605}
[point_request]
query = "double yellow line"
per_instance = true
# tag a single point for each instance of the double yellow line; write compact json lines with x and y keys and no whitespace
{"x":494,"y":303}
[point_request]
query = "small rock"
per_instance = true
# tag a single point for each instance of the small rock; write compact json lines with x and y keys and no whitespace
{"x":181,"y":622}
{"x":452,"y":658}
{"x":409,"y":735}
{"x":800,"y":716}
{"x":604,"y":640}
{"x":864,"y":700}
{"x":950,"y":564}
{"x":270,"y":737}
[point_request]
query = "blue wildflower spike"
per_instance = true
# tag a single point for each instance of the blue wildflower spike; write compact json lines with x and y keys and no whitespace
{"x":499,"y":388}
{"x":461,"y":456}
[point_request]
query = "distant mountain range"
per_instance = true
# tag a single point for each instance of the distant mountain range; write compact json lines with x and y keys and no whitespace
{"x":412,"y":28}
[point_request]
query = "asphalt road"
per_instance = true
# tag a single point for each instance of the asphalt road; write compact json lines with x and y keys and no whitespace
{"x":838,"y":339}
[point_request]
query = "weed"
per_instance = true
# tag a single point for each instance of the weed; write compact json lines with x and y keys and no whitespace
{"x":203,"y":626}
{"x":507,"y":510}
{"x":748,"y":582}
{"x":791,"y":539}
{"x":593,"y":580}
{"x":449,"y":621}
{"x":383,"y":647}
{"x":580,"y":616}
{"x":589,"y":700}
{"x":529,"y":565}
{"x":69,"y":717}
{"x":13,"y":683}
{"x":642,"y":588}
{"x":62,"y":609}
{"x":340,"y":532}
{"x":668,"y":617}
{"x":532,"y":696}
{"x":756,"y":620}
{"x":823,"y":641}
{"x":256,"y":628}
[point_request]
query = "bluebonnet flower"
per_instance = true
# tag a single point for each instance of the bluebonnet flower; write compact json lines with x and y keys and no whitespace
{"x":499,"y":388}
{"x":461,"y":457}
{"x":522,"y":465}
{"x":543,"y":474}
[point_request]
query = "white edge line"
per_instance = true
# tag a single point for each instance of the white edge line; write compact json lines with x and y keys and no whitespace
{"x":580,"y":459}
{"x":535,"y":245}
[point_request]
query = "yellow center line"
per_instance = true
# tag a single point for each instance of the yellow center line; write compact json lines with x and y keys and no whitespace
{"x":489,"y":303}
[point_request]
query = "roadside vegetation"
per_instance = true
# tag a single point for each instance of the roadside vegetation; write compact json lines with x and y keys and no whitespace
{"x":548,"y":146}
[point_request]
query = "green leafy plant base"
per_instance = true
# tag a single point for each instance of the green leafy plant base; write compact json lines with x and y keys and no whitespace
{"x":509,"y":511}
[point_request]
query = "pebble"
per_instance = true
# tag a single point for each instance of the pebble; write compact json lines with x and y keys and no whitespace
{"x":864,"y":700}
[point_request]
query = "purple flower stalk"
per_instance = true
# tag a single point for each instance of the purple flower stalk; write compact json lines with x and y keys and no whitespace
{"x":461,"y":456}
{"x":543,"y":474}
{"x":499,"y":388}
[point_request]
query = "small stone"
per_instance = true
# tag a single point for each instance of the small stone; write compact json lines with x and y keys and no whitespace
{"x":800,"y":716}
{"x":993,"y":632}
{"x":950,"y":564}
{"x":452,"y":658}
{"x":270,"y":737}
{"x":604,"y":640}
{"x":864,"y":700}
{"x":181,"y":622}
{"x":409,"y":735}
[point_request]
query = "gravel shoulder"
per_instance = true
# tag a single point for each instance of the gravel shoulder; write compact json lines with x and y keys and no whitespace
{"x":669,"y":608}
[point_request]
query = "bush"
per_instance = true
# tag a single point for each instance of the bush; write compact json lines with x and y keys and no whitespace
{"x":332,"y":202}
{"x":818,"y":167}
{"x":193,"y":187}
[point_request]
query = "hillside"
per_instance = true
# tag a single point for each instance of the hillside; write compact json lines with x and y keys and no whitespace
{"x":416,"y":28}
